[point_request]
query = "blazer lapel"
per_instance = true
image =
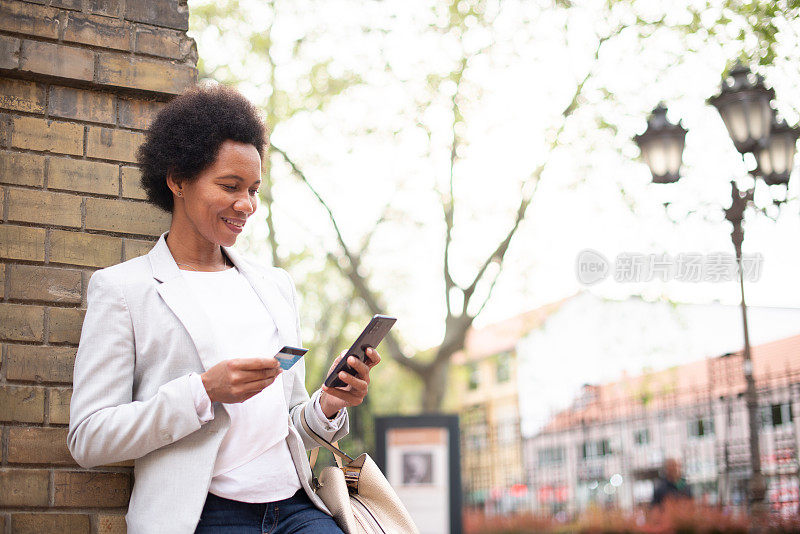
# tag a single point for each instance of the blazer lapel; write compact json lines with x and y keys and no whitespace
{"x":178,"y":296}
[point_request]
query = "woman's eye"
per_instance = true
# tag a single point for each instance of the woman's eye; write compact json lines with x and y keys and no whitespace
{"x":229,"y":187}
{"x":254,"y":191}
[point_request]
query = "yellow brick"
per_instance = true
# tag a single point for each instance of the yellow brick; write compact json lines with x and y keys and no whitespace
{"x":118,"y":145}
{"x":21,"y":17}
{"x":77,"y":5}
{"x":37,"y":445}
{"x":149,"y":75}
{"x":54,"y":59}
{"x":37,"y":523}
{"x":161,"y":42}
{"x":137,"y":114}
{"x":126,"y":217}
{"x":91,"y":489}
{"x":21,"y":322}
{"x":21,"y":169}
{"x":169,"y":14}
{"x":39,"y":282}
{"x":110,"y":8}
{"x":44,"y":207}
{"x":65,"y":325}
{"x":21,"y":243}
{"x":9,"y":52}
{"x":37,"y":363}
{"x":59,"y":405}
{"x":131,"y":183}
{"x":111,"y":524}
{"x":24,"y":487}
{"x":90,"y":250}
{"x":83,"y":105}
{"x":85,"y":176}
{"x":20,"y":95}
{"x":2,"y":289}
{"x":24,"y":404}
{"x":39,"y":134}
{"x":98,"y":31}
{"x":137,"y":247}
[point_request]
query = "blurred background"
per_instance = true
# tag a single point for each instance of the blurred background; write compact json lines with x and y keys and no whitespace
{"x":473,"y":168}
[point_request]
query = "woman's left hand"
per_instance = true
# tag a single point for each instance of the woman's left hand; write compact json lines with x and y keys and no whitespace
{"x":334,"y":399}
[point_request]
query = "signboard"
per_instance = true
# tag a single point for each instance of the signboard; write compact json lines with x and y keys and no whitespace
{"x":420,"y":457}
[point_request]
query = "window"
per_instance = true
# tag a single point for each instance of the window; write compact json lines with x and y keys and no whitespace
{"x":474,"y":428}
{"x":476,"y":437}
{"x":776,"y":415}
{"x":474,"y":377}
{"x":503,"y":369}
{"x":700,"y":427}
{"x":595,"y":449}
{"x":551,"y":456}
{"x":507,"y":430}
{"x":642,"y":437}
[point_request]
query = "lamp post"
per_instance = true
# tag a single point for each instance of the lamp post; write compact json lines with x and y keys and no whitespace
{"x":744,"y":105}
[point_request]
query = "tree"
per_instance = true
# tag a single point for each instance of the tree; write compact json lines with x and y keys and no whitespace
{"x":472,"y":33}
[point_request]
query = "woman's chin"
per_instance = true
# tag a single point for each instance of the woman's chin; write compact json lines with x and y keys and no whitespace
{"x":222,"y":239}
{"x":228,"y":241}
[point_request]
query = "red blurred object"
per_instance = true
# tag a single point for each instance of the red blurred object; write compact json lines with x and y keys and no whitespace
{"x":519,"y":490}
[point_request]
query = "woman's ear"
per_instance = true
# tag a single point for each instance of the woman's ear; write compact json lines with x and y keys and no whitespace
{"x":175,"y":185}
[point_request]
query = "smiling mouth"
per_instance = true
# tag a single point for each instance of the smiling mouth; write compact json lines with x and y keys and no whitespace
{"x":234,"y":223}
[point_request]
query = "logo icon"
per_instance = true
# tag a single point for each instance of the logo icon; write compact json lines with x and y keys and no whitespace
{"x":591,"y":267}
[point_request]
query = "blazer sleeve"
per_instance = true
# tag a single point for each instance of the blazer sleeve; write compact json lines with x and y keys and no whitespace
{"x":106,"y":425}
{"x":299,"y":397}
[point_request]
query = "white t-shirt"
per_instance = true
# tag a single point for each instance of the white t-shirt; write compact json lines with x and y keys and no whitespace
{"x":253,"y":463}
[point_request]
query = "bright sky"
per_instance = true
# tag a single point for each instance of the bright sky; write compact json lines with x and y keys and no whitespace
{"x":365,"y":151}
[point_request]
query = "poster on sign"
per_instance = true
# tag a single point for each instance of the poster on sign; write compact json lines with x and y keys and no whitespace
{"x":419,"y":455}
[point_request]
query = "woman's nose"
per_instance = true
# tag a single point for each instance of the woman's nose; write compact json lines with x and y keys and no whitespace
{"x":245,"y":205}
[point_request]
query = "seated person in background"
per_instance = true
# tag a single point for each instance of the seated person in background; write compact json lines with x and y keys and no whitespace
{"x":671,"y":486}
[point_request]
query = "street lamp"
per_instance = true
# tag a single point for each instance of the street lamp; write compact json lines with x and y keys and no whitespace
{"x":662,"y":146}
{"x":744,"y":105}
{"x":774,"y":161}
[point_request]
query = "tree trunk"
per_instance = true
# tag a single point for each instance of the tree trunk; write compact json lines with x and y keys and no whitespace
{"x":435,"y":381}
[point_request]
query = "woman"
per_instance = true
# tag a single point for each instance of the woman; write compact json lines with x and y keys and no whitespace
{"x":176,"y":366}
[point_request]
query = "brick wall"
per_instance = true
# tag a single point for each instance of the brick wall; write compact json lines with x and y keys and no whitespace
{"x":79,"y":81}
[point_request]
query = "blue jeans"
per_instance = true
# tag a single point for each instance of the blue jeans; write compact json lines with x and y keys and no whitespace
{"x":294,"y":515}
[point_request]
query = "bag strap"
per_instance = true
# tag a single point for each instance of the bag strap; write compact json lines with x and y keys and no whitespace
{"x":312,"y":460}
{"x":338,"y":454}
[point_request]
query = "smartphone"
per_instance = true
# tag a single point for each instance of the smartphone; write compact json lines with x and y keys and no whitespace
{"x":372,"y":335}
{"x":288,"y":356}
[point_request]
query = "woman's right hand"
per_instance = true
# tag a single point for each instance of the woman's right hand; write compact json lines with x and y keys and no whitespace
{"x":239,"y":379}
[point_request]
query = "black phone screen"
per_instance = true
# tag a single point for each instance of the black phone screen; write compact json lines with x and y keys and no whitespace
{"x":372,"y":335}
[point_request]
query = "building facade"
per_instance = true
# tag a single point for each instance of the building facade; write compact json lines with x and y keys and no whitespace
{"x":608,"y":447}
{"x":486,"y":388}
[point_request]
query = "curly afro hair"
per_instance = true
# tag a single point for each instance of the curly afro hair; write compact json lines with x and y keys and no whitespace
{"x":185,"y":137}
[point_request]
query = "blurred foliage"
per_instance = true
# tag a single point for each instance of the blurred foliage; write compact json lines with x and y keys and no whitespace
{"x":684,"y":517}
{"x":293,"y":75}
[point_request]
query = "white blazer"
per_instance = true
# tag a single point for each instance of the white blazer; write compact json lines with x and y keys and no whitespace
{"x":142,"y":335}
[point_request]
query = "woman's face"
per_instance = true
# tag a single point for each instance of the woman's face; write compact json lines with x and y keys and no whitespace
{"x":218,"y":202}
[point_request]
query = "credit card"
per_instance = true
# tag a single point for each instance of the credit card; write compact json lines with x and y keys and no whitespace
{"x":288,"y":356}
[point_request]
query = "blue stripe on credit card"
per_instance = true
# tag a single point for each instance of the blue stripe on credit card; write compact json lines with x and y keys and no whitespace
{"x":288,"y":356}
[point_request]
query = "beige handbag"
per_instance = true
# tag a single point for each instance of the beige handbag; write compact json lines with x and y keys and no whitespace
{"x":357,"y":494}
